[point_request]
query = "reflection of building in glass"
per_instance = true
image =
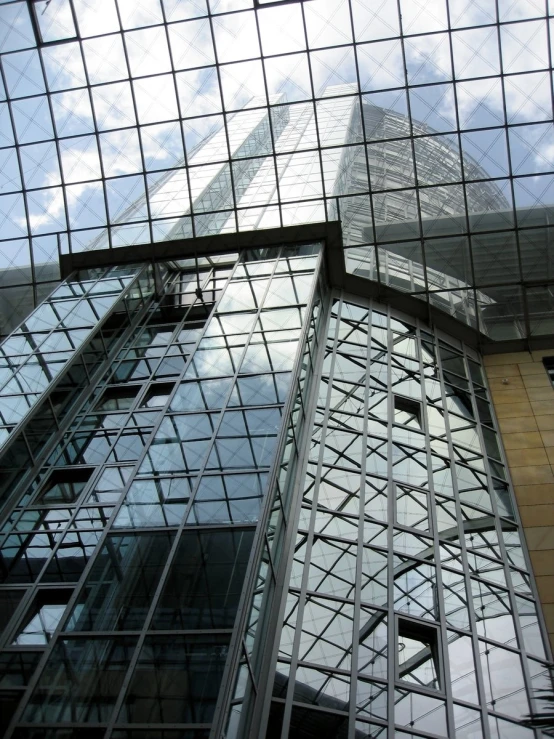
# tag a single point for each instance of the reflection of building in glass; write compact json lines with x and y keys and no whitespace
{"x":252,"y":483}
{"x":400,"y":156}
{"x":251,"y":182}
{"x":242,"y":503}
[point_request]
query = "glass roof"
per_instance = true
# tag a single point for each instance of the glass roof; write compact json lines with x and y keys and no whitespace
{"x":424,"y":125}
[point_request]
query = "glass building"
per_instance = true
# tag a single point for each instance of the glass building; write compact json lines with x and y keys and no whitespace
{"x":255,"y":474}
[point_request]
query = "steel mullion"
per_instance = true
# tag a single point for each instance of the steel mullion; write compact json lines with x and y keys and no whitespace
{"x":354,"y":669}
{"x":458,"y":134}
{"x":310,"y":537}
{"x":314,"y":101}
{"x":17,"y":148}
{"x":391,"y":621}
{"x":364,"y":144}
{"x":225,"y":114}
{"x":56,"y":139}
{"x":406,"y":87}
{"x":137,"y":127}
{"x":443,"y":669}
{"x":95,"y":133}
{"x":511,"y":173}
{"x":270,"y":121}
{"x":180,"y":119}
{"x":463,"y":552}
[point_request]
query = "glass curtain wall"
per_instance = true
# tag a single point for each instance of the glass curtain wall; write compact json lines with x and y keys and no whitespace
{"x":123,"y":561}
{"x":51,"y":357}
{"x":268,"y":510}
{"x":409,"y":608}
{"x":129,"y":122}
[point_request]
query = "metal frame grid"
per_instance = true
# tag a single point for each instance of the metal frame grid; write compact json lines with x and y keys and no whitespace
{"x":133,"y":122}
{"x":107,"y":512}
{"x":248,"y":672}
{"x":47,"y":361}
{"x":408,"y":538}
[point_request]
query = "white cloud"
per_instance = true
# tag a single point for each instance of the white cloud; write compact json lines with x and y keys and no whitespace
{"x":381,"y":66}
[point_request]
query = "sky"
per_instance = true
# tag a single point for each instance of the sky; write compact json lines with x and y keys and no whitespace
{"x":119,"y":106}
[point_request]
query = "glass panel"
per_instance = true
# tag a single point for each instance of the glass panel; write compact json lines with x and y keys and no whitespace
{"x":9,"y":600}
{"x":43,"y":618}
{"x":122,"y":583}
{"x":418,"y":656}
{"x":176,"y":680}
{"x":197,"y":596}
{"x":81,"y":681}
{"x":64,"y":486}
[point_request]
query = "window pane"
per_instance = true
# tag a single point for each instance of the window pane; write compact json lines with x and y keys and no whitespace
{"x":81,"y":681}
{"x":205,"y":580}
{"x":176,"y":680}
{"x":122,"y":582}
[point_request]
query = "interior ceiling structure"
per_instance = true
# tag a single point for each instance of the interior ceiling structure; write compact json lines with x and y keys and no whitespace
{"x":424,"y":125}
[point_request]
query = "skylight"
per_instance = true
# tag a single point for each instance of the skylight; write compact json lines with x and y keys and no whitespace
{"x":117,"y":117}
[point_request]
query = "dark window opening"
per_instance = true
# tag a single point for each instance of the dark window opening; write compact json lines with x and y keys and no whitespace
{"x":407,"y":412}
{"x":157,"y":395}
{"x":418,"y":655}
{"x":65,"y":485}
{"x":117,"y":398}
{"x":9,"y":600}
{"x":42,"y":618}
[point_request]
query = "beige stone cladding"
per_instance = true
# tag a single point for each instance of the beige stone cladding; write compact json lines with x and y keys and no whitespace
{"x":523,"y":399}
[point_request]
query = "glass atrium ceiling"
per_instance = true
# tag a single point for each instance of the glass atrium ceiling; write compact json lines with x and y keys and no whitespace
{"x":425,"y":125}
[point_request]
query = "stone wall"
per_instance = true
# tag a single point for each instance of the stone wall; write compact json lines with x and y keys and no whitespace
{"x":523,"y":399}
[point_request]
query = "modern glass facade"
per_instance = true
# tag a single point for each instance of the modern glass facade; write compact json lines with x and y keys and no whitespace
{"x":127,"y":123}
{"x":408,"y":589}
{"x":249,"y":486}
{"x":148,"y":490}
{"x":265,"y":508}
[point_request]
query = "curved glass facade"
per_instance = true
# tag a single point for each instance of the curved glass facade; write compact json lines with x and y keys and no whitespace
{"x":242,"y":494}
{"x":408,"y":601}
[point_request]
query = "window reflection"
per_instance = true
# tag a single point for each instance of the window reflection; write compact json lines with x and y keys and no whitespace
{"x":43,"y":617}
{"x":121,"y":584}
{"x":71,"y":556}
{"x":176,"y":680}
{"x":81,"y":681}
{"x":205,"y":580}
{"x":64,"y":485}
{"x":159,"y":502}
